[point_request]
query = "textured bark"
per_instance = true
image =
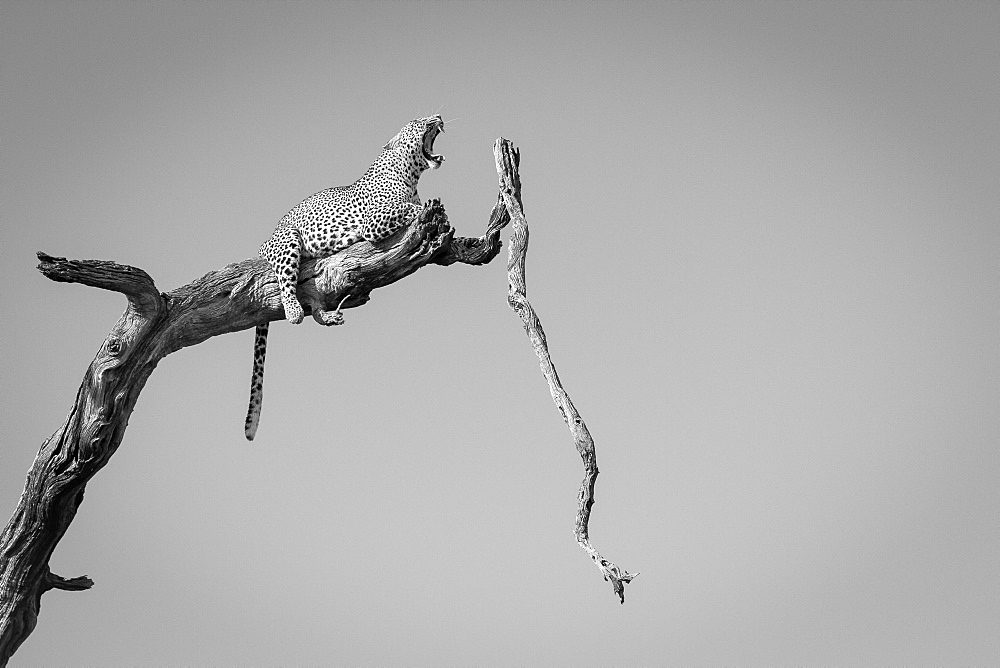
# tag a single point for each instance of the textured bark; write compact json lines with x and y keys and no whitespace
{"x":238,"y":296}
{"x":507,"y":159}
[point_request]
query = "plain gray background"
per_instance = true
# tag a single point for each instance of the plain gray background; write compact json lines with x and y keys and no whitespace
{"x":764,"y":249}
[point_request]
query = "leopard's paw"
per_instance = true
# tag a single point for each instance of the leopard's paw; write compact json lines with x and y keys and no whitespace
{"x":328,"y":318}
{"x":293,"y":311}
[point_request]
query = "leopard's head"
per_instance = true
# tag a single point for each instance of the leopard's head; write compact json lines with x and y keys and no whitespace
{"x":416,"y":142}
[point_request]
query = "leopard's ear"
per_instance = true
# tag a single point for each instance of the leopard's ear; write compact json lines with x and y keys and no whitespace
{"x":392,"y":143}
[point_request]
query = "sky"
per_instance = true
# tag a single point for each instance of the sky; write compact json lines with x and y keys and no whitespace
{"x":764,"y":248}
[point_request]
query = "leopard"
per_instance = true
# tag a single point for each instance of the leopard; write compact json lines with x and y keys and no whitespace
{"x":373,"y":208}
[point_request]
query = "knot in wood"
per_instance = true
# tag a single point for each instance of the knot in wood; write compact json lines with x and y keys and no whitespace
{"x":115,"y":346}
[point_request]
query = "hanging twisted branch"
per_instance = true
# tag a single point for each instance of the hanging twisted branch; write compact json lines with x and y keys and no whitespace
{"x":507,"y":159}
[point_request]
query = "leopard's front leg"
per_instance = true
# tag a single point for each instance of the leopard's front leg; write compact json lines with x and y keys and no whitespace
{"x":282,"y":251}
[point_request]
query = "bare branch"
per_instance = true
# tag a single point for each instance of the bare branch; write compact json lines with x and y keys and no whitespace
{"x":482,"y":249}
{"x":53,"y":581}
{"x":507,"y":160}
{"x":132,"y":282}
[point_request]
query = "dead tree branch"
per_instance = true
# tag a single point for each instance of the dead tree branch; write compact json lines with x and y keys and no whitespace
{"x":238,"y":296}
{"x":507,"y":160}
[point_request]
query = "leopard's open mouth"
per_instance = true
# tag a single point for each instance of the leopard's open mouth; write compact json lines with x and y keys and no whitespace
{"x":430,"y":135}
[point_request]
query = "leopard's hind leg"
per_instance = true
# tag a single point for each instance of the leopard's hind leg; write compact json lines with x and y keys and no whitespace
{"x":282,"y":251}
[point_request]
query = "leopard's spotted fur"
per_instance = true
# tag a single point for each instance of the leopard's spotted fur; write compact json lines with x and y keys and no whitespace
{"x":372,"y":208}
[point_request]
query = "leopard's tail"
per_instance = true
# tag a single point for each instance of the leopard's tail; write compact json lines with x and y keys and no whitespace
{"x":256,"y":382}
